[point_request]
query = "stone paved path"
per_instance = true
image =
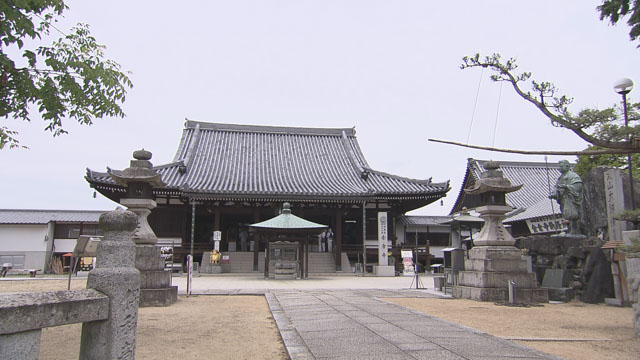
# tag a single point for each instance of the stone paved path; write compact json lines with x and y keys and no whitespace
{"x":356,"y":324}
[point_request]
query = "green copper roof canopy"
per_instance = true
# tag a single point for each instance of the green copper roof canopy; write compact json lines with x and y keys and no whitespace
{"x":287,"y":221}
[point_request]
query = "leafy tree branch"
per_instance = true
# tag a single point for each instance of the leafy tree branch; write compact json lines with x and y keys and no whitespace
{"x":615,"y":10}
{"x":70,"y":79}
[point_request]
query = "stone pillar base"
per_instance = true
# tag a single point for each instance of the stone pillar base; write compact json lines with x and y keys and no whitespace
{"x":488,"y":272}
{"x":155,"y":282}
{"x":384,"y":271}
{"x":213,"y":269}
{"x":158,"y":297}
{"x":521,"y":296}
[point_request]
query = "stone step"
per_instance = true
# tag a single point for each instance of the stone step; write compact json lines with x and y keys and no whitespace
{"x":522,"y":296}
{"x":497,"y":279}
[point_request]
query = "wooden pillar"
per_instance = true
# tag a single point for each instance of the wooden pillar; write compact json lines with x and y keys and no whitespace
{"x":256,"y":250}
{"x":364,"y":238}
{"x":216,"y":219}
{"x":266,"y":260}
{"x":301,"y":252}
{"x":338,"y":236}
{"x":193,"y":226}
{"x":306,"y":258}
{"x":256,"y":239}
{"x":428,"y":252}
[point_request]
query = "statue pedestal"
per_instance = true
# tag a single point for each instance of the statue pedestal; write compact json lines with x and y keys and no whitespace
{"x":384,"y":270}
{"x":488,"y":272}
{"x":207,"y":267}
{"x":155,"y":283}
{"x":214,"y":269}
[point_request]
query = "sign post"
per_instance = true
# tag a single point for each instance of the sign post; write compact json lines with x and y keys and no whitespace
{"x":189,"y":273}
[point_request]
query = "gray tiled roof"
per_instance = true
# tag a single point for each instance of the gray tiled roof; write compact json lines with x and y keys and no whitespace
{"x":542,"y":208}
{"x":532,"y":199}
{"x":8,"y":216}
{"x":219,"y":160}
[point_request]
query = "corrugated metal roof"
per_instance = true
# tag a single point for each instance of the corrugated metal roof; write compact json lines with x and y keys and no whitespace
{"x":227,"y":159}
{"x":533,"y":197}
{"x":421,"y":220}
{"x":8,"y":216}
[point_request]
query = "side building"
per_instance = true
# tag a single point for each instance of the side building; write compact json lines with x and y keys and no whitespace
{"x":533,"y":212}
{"x":429,"y":234}
{"x":37,"y":239}
{"x":225,"y":177}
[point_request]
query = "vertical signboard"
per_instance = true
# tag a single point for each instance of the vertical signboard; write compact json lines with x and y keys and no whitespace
{"x":217,"y":236}
{"x":407,"y":262}
{"x":614,"y":197}
{"x":382,"y":239}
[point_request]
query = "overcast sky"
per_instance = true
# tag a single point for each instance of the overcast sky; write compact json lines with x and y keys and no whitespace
{"x":389,"y":68}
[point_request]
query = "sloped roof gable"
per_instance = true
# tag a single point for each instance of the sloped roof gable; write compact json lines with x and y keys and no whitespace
{"x":217,"y":159}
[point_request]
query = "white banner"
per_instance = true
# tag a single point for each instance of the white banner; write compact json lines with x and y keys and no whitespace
{"x":382,"y":239}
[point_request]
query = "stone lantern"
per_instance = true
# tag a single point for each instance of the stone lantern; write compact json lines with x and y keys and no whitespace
{"x":140,"y":179}
{"x":495,"y":270}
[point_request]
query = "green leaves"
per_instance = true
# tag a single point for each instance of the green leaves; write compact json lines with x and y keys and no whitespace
{"x":614,"y":10}
{"x":68,"y":79}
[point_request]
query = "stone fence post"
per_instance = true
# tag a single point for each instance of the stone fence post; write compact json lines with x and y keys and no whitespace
{"x":116,"y":276}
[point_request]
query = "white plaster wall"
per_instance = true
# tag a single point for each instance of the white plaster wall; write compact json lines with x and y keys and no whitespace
{"x":23,"y":238}
{"x":26,"y":240}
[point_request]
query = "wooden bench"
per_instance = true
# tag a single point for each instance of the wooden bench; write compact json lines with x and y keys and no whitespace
{"x":32,"y":272}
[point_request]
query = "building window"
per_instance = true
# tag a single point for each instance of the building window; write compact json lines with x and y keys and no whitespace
{"x":73,"y":231}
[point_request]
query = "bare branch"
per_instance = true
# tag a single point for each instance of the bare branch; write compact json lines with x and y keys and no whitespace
{"x":556,"y":109}
{"x":528,"y":152}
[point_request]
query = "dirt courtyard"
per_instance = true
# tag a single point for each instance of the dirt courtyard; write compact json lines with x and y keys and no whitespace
{"x":241,"y":327}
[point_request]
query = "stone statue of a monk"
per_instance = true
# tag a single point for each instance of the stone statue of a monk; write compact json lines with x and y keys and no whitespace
{"x":568,"y":194}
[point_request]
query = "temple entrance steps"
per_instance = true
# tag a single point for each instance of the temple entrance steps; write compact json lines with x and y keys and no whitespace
{"x":320,"y":262}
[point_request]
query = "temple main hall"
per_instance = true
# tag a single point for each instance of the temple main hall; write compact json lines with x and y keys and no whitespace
{"x":225,"y":177}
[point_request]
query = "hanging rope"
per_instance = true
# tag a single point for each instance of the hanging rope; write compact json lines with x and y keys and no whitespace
{"x":495,"y":125}
{"x":475,"y":105}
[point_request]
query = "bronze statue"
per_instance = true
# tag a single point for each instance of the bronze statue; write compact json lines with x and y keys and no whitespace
{"x":568,"y":194}
{"x":214,"y":258}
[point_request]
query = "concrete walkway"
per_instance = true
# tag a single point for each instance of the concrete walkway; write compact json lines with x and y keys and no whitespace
{"x":342,"y":317}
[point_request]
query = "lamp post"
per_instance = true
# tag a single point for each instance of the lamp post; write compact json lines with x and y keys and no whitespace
{"x":623,"y":87}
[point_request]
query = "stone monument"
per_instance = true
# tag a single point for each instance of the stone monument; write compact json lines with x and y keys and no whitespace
{"x":139,"y":179}
{"x":494,"y":262}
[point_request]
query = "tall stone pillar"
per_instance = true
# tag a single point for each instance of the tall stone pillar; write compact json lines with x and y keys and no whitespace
{"x":115,"y":276}
{"x":140,"y":179}
{"x":494,"y":261}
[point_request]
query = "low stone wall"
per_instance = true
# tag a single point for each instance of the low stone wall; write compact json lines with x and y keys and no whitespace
{"x":108,"y":309}
{"x":24,"y":315}
{"x":592,"y":280}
